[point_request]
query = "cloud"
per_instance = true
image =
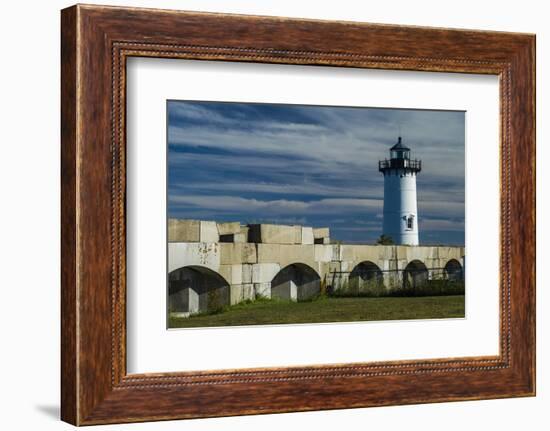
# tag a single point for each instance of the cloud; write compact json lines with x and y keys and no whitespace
{"x":280,"y":206}
{"x":288,"y":161}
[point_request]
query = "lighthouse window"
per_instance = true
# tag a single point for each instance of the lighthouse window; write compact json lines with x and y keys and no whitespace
{"x":409,"y":222}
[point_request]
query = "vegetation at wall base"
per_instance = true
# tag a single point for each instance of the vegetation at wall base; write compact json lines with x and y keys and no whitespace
{"x":377,"y":290}
{"x":326,"y":309}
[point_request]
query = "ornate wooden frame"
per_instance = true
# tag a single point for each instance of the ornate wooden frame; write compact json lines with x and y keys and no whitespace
{"x":95,"y":43}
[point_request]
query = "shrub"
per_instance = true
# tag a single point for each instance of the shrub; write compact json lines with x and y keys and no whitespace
{"x":431,"y":288}
{"x":360,"y":288}
{"x":377,"y":289}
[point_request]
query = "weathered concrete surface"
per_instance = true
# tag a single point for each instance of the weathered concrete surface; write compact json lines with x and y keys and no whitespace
{"x":285,"y":254}
{"x":287,"y":290}
{"x":229,"y":228}
{"x":237,"y":253}
{"x":321,"y":232}
{"x":196,"y":288}
{"x":233,"y":237}
{"x":262,"y":290}
{"x":250,"y":269}
{"x":242,"y":292}
{"x":211,"y":231}
{"x":192,"y":231}
{"x":186,"y":299}
{"x":183,"y":230}
{"x":233,"y":274}
{"x":321,"y":235}
{"x":264,"y":272}
{"x":321,"y":240}
{"x":203,"y":254}
{"x":274,"y":234}
{"x":307,"y":235}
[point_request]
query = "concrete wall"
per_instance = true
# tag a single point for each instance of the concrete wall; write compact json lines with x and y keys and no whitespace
{"x":184,"y":230}
{"x":249,"y":268}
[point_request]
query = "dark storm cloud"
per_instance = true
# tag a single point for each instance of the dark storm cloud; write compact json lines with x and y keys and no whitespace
{"x":312,"y":165}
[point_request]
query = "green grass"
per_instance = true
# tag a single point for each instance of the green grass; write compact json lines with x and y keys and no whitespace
{"x":265,"y":312}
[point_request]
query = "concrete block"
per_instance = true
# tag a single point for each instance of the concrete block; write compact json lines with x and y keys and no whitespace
{"x":338,"y":280}
{"x":387,"y":265}
{"x":359,"y":253}
{"x":418,"y":252}
{"x":335,"y":267}
{"x":268,"y":253}
{"x":274,"y":234}
{"x":209,"y":231}
{"x":192,"y":300}
{"x":183,"y":230}
{"x":325,"y":240}
{"x":347,"y":266}
{"x":321,"y":232}
{"x":287,"y":291}
{"x":307,"y":235}
{"x":192,"y":231}
{"x":242,"y":292}
{"x":401,"y":264}
{"x":244,"y":231}
{"x":233,"y":253}
{"x":387,"y":251}
{"x":183,"y":301}
{"x":233,"y":237}
{"x":323,"y":270}
{"x":182,"y":254}
{"x":308,"y":290}
{"x":324,"y":253}
{"x":298,"y":236}
{"x":229,"y":228}
{"x":286,"y":254}
{"x":336,"y":252}
{"x":346,"y":252}
{"x":214,"y":298}
{"x":233,"y":274}
{"x":247,"y":273}
{"x":236,"y":274}
{"x":264,"y":272}
{"x":262,"y":289}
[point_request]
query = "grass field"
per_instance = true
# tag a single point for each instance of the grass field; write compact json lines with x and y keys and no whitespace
{"x":266,"y":312}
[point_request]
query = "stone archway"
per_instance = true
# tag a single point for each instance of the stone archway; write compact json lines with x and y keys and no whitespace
{"x":296,"y":282}
{"x":453,"y":270}
{"x":366,"y":275}
{"x":415,"y":275}
{"x":194,"y":289}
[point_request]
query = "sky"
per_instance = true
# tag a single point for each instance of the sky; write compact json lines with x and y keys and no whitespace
{"x":312,"y":165}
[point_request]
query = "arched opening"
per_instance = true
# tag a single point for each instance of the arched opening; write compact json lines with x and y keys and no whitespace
{"x":453,"y":270}
{"x":296,"y":282}
{"x":366,"y":275}
{"x":415,"y":275}
{"x":194,"y":289}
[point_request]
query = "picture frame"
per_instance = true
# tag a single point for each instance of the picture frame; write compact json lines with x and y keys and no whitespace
{"x":96,"y":41}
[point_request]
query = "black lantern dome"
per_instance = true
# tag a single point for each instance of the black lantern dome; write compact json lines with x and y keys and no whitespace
{"x":400,"y":158}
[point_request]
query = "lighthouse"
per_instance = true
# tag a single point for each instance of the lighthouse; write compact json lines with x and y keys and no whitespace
{"x":400,"y":212}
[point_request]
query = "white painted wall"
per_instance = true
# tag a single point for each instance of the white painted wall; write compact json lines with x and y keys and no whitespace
{"x":399,"y":204}
{"x":29,"y":134}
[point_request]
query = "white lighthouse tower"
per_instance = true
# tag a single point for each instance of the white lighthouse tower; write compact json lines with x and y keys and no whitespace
{"x":400,"y":213}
